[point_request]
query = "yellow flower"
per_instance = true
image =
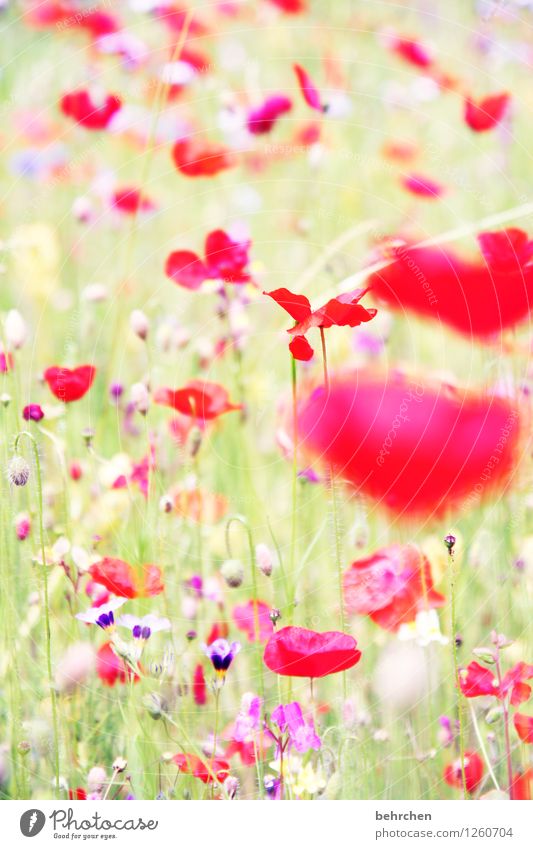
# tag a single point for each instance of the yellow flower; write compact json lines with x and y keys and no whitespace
{"x":36,"y":256}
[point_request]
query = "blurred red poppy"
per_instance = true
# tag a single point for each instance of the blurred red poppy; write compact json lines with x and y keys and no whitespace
{"x":112,"y":669}
{"x":417,"y":449}
{"x":391,"y":586}
{"x":262,"y":118}
{"x":412,"y":52}
{"x":310,"y":93}
{"x":225,"y":259}
{"x":479,"y":297}
{"x":484,"y":114}
{"x":477,"y":680}
{"x":292,"y":7}
{"x":120,"y":578}
{"x":524,"y":727}
{"x":522,"y":788}
{"x":208,"y":771}
{"x":199,"y":398}
{"x":70,"y":384}
{"x":79,"y":794}
{"x":255,"y":625}
{"x":195,"y":158}
{"x":79,"y":106}
{"x":342,"y":311}
{"x":130,"y":201}
{"x":473,"y":772}
{"x":302,"y":653}
{"x":199,"y":690}
{"x":422,"y":186}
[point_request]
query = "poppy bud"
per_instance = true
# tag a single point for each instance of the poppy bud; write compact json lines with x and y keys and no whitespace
{"x":23,"y":747}
{"x":274,"y":615}
{"x":195,"y":441}
{"x":233,"y":572}
{"x":16,"y":329}
{"x":154,"y":705}
{"x":484,"y":654}
{"x":88,"y":436}
{"x":264,"y":559}
{"x":449,"y":542}
{"x":140,"y":397}
{"x":18,"y":471}
{"x":231,"y":786}
{"x":96,"y":779}
{"x":139,"y":324}
{"x":5,"y":399}
{"x":166,"y":504}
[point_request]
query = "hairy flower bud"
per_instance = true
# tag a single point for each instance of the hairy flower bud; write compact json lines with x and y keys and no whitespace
{"x":18,"y":471}
{"x":233,"y":572}
{"x":140,"y":324}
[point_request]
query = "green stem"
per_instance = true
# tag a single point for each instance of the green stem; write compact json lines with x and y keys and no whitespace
{"x":294,"y":484}
{"x":240,"y":520}
{"x":505,"y":727}
{"x":451,"y":567}
{"x":334,"y":514}
{"x":46,"y":602}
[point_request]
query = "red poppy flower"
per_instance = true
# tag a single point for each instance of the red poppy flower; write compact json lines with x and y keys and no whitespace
{"x":342,"y":311}
{"x":196,"y":158}
{"x":112,"y":669}
{"x":292,"y":7}
{"x":522,"y":786}
{"x":412,"y":51}
{"x":225,"y":259}
{"x":262,"y":119}
{"x":477,"y":680}
{"x":208,"y":771}
{"x":310,"y":93}
{"x":219,"y":631}
{"x":96,"y":22}
{"x":244,"y":616}
{"x":391,"y":586}
{"x":474,"y":770}
{"x":478,"y":297}
{"x":422,"y":187}
{"x":416,"y":449}
{"x":79,"y":794}
{"x":119,"y":578}
{"x":130,"y":201}
{"x":245,"y":750}
{"x":309,"y":654}
{"x":199,"y":691}
{"x":484,"y":114}
{"x":79,"y":106}
{"x":70,"y":384}
{"x":524,"y":727}
{"x":199,"y":398}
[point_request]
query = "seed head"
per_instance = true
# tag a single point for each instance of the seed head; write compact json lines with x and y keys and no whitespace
{"x":18,"y":471}
{"x":233,"y":572}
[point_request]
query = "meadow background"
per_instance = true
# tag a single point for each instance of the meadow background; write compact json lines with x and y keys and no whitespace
{"x":75,"y":268}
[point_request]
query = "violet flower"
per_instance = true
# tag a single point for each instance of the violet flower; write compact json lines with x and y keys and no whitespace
{"x":143,"y":628}
{"x":102,"y":615}
{"x":221,"y":654}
